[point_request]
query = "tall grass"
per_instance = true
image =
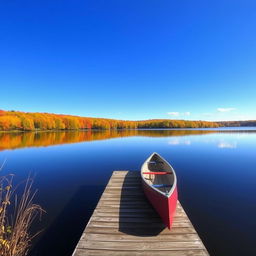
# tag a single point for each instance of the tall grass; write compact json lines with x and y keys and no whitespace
{"x":17,"y":213}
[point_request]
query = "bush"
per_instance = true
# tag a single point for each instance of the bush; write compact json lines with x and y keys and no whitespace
{"x":17,"y":214}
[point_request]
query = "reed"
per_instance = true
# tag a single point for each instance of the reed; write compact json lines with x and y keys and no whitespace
{"x":17,"y":214}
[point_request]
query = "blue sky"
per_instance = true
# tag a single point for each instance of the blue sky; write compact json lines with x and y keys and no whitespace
{"x":129,"y":59}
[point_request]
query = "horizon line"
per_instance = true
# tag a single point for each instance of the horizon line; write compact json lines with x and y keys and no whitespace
{"x":132,"y":120}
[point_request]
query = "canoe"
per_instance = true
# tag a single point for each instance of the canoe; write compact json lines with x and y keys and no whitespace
{"x":160,"y":187}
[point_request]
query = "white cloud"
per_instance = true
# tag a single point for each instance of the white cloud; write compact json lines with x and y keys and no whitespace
{"x":224,"y":144}
{"x":173,"y":113}
{"x":187,"y":142}
{"x":174,"y":142}
{"x":178,"y":114}
{"x":225,"y":109}
{"x":177,"y":141}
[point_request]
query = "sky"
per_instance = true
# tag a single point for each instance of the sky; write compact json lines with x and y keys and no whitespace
{"x":128,"y":59}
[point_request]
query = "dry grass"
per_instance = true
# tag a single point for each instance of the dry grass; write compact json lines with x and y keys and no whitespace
{"x":16,"y":217}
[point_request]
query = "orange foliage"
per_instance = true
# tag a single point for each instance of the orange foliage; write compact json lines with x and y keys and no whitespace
{"x":13,"y":140}
{"x":2,"y":112}
{"x":15,"y":120}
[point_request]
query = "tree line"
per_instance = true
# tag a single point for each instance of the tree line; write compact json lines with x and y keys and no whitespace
{"x":17,"y":120}
{"x":249,"y":123}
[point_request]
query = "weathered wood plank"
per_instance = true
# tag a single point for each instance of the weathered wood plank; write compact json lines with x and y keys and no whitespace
{"x":130,"y":214}
{"x":100,"y":252}
{"x":113,"y":206}
{"x":109,"y":230}
{"x":125,"y":237}
{"x":124,"y":223}
{"x":118,"y":210}
{"x":137,"y":225}
{"x":138,"y":246}
{"x":134,"y":219}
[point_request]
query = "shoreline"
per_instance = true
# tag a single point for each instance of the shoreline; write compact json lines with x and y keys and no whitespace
{"x":229,"y":128}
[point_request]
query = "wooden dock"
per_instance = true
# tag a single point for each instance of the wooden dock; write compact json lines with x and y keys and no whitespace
{"x":125,"y":224}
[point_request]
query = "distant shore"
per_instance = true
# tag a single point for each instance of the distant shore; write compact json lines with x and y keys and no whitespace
{"x":17,"y":121}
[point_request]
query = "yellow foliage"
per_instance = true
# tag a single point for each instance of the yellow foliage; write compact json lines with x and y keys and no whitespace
{"x":15,"y":120}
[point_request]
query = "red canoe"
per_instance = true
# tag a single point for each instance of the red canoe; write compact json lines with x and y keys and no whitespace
{"x":160,"y":186}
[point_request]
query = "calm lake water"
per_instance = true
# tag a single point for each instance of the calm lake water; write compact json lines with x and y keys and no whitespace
{"x":216,"y":172}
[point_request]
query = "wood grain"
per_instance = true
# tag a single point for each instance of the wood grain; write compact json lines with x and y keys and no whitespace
{"x":124,"y":223}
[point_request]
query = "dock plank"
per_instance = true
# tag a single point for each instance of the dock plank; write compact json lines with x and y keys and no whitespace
{"x":124,"y":223}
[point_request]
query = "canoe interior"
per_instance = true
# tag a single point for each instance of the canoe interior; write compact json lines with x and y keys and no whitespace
{"x":157,"y":164}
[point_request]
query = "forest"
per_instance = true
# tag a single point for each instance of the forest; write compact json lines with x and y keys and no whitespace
{"x":23,"y":121}
{"x":248,"y":123}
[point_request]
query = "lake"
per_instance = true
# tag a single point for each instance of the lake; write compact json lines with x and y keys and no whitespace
{"x":216,"y":171}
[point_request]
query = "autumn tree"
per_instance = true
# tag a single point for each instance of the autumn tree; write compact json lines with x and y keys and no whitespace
{"x":16,"y":120}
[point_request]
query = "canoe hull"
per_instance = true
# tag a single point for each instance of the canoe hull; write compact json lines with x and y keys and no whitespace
{"x":165,"y":206}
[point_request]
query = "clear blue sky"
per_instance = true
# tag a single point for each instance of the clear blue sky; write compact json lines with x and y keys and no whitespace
{"x":129,"y":59}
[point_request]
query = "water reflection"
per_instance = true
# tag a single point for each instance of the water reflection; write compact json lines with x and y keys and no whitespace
{"x":43,"y":139}
{"x":71,"y":178}
{"x":39,"y":139}
{"x":225,"y":144}
{"x":177,"y":141}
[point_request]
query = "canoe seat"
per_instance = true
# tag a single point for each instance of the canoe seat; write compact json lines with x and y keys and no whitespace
{"x":158,"y":173}
{"x":155,"y":162}
{"x":161,"y":185}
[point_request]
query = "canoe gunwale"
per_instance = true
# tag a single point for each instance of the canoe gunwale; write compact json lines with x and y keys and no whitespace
{"x":143,"y":167}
